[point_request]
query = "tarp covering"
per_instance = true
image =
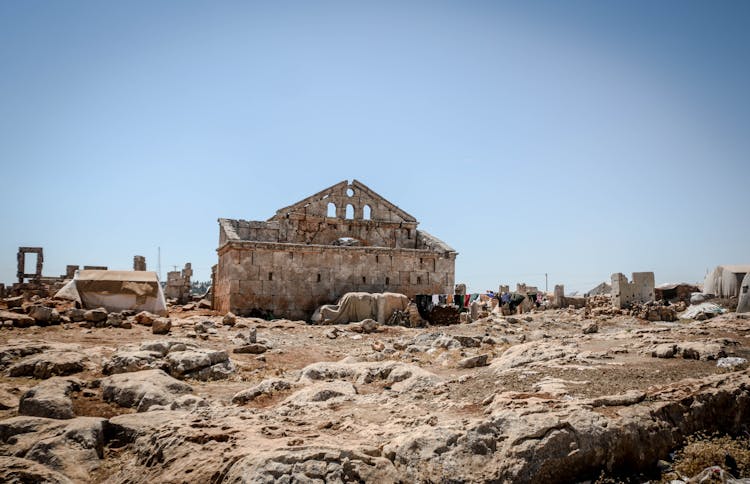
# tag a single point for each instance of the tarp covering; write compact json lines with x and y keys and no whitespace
{"x":116,"y":291}
{"x":724,"y":281}
{"x":708,"y":308}
{"x":743,"y":306}
{"x":357,"y":306}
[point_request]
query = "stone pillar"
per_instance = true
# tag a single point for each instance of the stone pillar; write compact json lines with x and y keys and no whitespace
{"x":139,"y":263}
{"x":558,"y":298}
{"x":70,"y":271}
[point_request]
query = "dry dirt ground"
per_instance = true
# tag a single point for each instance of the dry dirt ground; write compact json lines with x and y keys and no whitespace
{"x":543,"y":403}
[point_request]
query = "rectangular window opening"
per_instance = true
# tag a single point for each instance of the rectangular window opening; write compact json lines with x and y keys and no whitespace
{"x":318,"y":277}
{"x":270,"y":276}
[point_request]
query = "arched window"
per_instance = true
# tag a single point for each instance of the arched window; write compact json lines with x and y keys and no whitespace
{"x":366,"y":212}
{"x":331,"y":210}
{"x":349,"y":211}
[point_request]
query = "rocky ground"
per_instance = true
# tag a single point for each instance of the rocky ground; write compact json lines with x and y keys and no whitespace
{"x":552,"y":396}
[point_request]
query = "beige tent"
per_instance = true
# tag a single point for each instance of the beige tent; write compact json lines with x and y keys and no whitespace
{"x":116,"y":291}
{"x":724,"y":281}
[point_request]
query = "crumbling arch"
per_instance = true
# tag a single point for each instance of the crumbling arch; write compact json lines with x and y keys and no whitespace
{"x":331,"y":210}
{"x":366,"y":212}
{"x":349,"y":211}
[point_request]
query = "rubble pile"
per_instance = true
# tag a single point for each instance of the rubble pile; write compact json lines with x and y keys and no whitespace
{"x":552,"y":395}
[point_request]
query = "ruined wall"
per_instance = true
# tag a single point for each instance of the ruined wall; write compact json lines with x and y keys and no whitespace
{"x":293,"y":280}
{"x":640,"y":291}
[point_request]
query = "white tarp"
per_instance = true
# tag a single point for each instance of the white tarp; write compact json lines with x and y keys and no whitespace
{"x":708,"y":308}
{"x":116,"y":291}
{"x":743,"y":306}
{"x":724,"y":281}
{"x":357,"y":306}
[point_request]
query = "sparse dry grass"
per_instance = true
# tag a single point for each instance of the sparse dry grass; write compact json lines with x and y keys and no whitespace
{"x":701,"y":451}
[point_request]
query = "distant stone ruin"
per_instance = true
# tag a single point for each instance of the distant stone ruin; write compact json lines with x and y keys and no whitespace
{"x":640,"y":291}
{"x":346,"y":238}
{"x":139,"y":263}
{"x":178,"y":284}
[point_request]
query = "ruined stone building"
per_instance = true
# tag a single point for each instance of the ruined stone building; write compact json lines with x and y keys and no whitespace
{"x":625,"y":294}
{"x":178,"y":284}
{"x":343,"y":239}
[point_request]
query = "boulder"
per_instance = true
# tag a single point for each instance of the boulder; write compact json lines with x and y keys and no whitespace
{"x":71,"y":447}
{"x":369,"y":325}
{"x":51,"y":363}
{"x":75,"y":314}
{"x":19,"y":320}
{"x":14,"y":302}
{"x":701,"y":350}
{"x":44,"y":315}
{"x":161,"y":326}
{"x":664,"y":350}
{"x":590,"y":328}
{"x":129,"y":361}
{"x":17,"y":470}
{"x":229,"y":319}
{"x":630,"y":397}
{"x":7,"y":400}
{"x":95,"y":315}
{"x":115,"y":320}
{"x":142,"y":389}
{"x":264,"y":388}
{"x":50,"y":398}
{"x":145,"y":318}
{"x":473,"y":361}
{"x":200,"y":363}
{"x":254,"y":348}
{"x":321,"y":392}
{"x":732,"y":363}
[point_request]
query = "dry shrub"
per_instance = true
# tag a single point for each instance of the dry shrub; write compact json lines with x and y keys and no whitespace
{"x":701,"y":451}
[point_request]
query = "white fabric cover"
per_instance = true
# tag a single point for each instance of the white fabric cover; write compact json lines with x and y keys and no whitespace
{"x":357,"y":306}
{"x":743,"y":306}
{"x":116,"y":291}
{"x":724,"y":281}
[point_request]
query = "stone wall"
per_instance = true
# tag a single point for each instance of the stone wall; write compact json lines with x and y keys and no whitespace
{"x":293,"y":280}
{"x":625,"y":293}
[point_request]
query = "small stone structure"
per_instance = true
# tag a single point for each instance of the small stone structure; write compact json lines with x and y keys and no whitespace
{"x":95,"y":268}
{"x":178,"y":284}
{"x":37,"y":275}
{"x":346,"y":238}
{"x":640,"y":291}
{"x":70,"y":271}
{"x":139,"y":263}
{"x":558,"y":297}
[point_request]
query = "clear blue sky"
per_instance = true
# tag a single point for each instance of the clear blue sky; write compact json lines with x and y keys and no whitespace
{"x":574,"y":138}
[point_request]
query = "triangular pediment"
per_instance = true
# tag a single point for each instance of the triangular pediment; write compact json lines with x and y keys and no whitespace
{"x":337,"y":197}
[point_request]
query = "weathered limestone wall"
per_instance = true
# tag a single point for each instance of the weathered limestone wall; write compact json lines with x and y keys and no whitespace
{"x":293,"y":280}
{"x":640,"y":291}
